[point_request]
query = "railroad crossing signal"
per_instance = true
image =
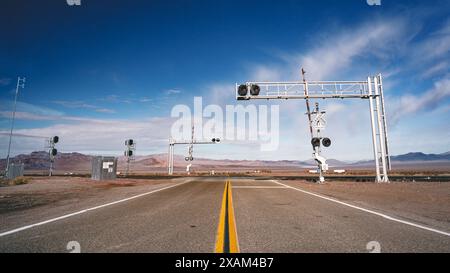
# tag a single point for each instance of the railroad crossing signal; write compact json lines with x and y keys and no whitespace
{"x":189,"y":157}
{"x":371,"y":89}
{"x":52,"y":151}
{"x":172,"y":144}
{"x":129,"y":152}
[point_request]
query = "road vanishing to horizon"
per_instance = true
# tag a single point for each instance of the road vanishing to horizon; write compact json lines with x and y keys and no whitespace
{"x":225,"y":135}
{"x":213,"y":214}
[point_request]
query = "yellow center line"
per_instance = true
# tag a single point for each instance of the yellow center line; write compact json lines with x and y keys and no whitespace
{"x":227,"y":240}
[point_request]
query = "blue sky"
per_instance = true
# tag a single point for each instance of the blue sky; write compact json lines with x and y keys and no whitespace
{"x":108,"y":70}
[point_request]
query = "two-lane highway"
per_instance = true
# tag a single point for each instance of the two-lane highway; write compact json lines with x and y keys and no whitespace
{"x":225,"y":215}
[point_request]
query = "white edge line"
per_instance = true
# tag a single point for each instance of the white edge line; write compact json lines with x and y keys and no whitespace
{"x":369,"y":211}
{"x":86,"y":210}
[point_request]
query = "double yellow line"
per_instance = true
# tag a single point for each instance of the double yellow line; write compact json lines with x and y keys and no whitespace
{"x":227,"y":241}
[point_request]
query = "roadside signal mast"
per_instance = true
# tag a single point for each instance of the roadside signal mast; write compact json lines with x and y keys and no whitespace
{"x":371,"y":89}
{"x":129,"y":152}
{"x":52,"y":151}
{"x":317,"y":123}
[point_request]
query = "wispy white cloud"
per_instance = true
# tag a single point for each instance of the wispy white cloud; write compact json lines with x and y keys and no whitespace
{"x":83,"y":105}
{"x":219,"y":94}
{"x":74,"y":104}
{"x":7,"y":106}
{"x":433,"y":47}
{"x":145,"y":99}
{"x":265,"y":73}
{"x":339,"y":53}
{"x":27,"y":116}
{"x":444,"y":29}
{"x":436,"y":70}
{"x":105,"y":110}
{"x":116,"y":99}
{"x":173,"y":91}
{"x":410,"y":104}
{"x":335,"y":55}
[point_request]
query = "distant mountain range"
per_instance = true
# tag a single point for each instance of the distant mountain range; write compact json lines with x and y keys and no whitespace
{"x":77,"y":162}
{"x":422,"y":157}
{"x":415,"y":157}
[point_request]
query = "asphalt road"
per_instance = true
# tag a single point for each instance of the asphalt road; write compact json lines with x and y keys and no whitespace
{"x":269,"y":217}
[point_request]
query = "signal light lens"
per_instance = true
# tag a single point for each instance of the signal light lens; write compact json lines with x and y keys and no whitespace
{"x":315,"y":142}
{"x":129,"y":142}
{"x":55,"y":139}
{"x":326,"y":142}
{"x":242,"y":90}
{"x":255,"y":89}
{"x":54,"y":152}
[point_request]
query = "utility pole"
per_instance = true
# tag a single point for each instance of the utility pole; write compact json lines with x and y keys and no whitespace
{"x":20,"y":83}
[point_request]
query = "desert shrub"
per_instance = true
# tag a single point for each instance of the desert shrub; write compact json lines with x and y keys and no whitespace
{"x":21,"y":180}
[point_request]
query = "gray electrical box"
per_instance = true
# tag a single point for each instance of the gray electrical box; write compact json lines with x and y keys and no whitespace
{"x":15,"y":170}
{"x":104,"y":168}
